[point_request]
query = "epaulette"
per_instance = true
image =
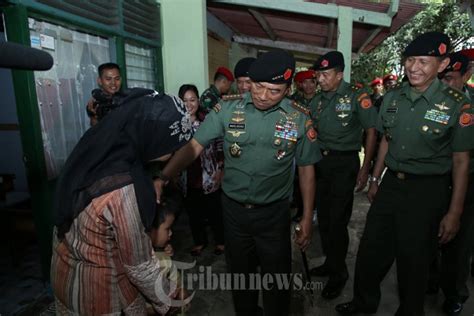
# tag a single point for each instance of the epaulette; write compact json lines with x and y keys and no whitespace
{"x":230,"y":97}
{"x":299,"y":107}
{"x":457,"y":95}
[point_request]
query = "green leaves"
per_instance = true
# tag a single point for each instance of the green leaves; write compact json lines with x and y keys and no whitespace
{"x":386,"y":58}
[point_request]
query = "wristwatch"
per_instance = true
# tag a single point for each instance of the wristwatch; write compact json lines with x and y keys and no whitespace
{"x":374,"y":179}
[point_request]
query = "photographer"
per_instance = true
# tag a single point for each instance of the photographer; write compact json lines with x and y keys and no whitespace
{"x":109,"y":81}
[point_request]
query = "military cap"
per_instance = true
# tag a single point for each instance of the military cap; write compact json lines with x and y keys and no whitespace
{"x":225,"y":72}
{"x":429,"y":44}
{"x":389,"y":77}
{"x":457,"y":62}
{"x":305,"y":74}
{"x":330,"y":60}
{"x":469,"y":53}
{"x":275,"y":66}
{"x":242,"y":67}
{"x":376,"y":81}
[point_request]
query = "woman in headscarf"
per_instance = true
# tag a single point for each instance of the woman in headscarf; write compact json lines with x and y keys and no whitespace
{"x":103,"y":260}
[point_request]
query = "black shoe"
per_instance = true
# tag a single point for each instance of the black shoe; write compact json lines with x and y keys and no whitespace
{"x":452,"y":308}
{"x":320,"y":271}
{"x":333,"y":289}
{"x":348,"y":308}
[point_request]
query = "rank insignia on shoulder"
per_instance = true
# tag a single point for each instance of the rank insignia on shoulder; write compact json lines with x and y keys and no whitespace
{"x":466,"y":119}
{"x":299,"y":107}
{"x":454,"y":94}
{"x":230,"y":97}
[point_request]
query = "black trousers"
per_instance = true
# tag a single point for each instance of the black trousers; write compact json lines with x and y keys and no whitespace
{"x":456,"y":255}
{"x":202,"y":207}
{"x":402,"y":225}
{"x":336,"y":177}
{"x":259,"y":236}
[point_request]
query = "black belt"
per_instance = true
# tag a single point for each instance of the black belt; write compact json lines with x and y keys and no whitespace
{"x":407,"y":176}
{"x":251,"y":206}
{"x":330,"y":152}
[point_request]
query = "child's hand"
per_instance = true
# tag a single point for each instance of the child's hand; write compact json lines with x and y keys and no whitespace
{"x":169,"y":250}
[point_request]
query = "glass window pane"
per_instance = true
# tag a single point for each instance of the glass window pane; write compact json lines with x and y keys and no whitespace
{"x":64,"y":90}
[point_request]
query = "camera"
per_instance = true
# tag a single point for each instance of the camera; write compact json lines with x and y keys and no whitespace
{"x":103,"y":103}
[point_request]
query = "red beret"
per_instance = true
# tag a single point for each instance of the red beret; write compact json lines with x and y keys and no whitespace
{"x":226,"y":72}
{"x":389,"y":77}
{"x":306,"y":74}
{"x":376,"y":81}
{"x":469,"y":53}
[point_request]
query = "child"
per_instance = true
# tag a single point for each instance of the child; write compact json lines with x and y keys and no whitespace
{"x":161,"y":231}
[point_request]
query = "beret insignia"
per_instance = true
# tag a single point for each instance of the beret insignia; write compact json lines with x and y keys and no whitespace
{"x":457,"y":65}
{"x":442,"y":48}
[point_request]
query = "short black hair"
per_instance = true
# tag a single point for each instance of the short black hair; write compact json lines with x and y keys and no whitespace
{"x":107,"y":66}
{"x":185,"y":88}
{"x":219,"y":76}
{"x":171,"y":204}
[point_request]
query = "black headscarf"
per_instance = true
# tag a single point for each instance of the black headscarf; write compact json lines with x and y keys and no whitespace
{"x":144,"y":125}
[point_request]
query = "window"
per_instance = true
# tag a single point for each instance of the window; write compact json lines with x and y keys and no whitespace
{"x":140,"y":62}
{"x":63,"y":91}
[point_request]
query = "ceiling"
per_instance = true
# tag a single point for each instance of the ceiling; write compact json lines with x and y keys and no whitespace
{"x":310,"y":28}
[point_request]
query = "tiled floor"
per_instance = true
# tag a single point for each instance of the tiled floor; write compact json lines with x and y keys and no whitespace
{"x":23,"y":292}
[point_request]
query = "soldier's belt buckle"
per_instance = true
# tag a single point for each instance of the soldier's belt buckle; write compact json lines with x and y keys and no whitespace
{"x":249,"y":206}
{"x":401,"y":175}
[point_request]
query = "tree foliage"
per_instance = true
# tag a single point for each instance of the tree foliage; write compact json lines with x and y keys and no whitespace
{"x":386,"y":57}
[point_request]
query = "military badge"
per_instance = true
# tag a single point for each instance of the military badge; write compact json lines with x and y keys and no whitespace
{"x":466,"y":119}
{"x":366,"y":103}
{"x":235,"y":150}
{"x":235,"y":133}
{"x":238,"y":117}
{"x":280,"y":154}
{"x":287,"y":130}
{"x":442,"y":106}
{"x":437,"y":116}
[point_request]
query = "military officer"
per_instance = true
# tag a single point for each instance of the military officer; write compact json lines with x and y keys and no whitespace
{"x":377,"y":92}
{"x":456,"y":254}
{"x":389,"y":81}
{"x":264,"y":132}
{"x":241,"y":73}
{"x":341,"y":113}
{"x":223,"y":79}
{"x":307,"y":80}
{"x":428,"y":134}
